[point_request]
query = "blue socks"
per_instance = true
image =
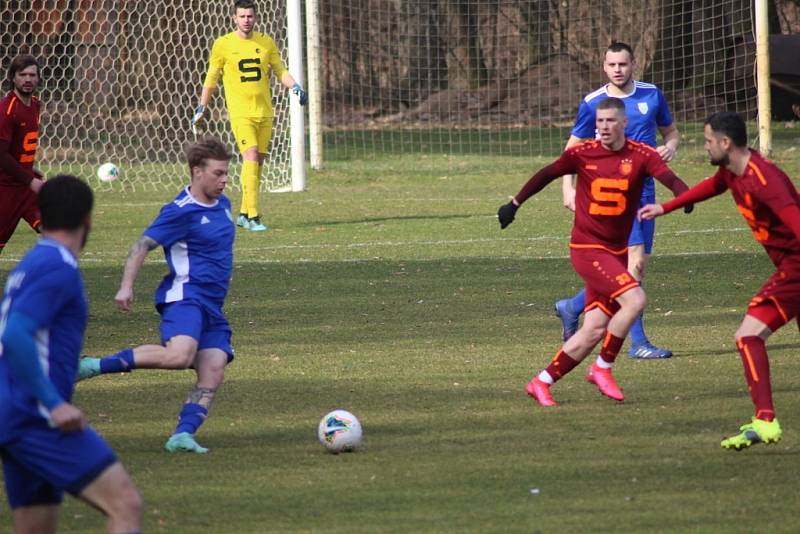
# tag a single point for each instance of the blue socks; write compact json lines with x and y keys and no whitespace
{"x":121,"y":362}
{"x":191,"y":417}
{"x":637,"y":334}
{"x":578,"y":302}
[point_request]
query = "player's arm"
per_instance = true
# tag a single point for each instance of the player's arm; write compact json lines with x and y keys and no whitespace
{"x":133,"y":264}
{"x":19,"y":352}
{"x":567,"y":188}
{"x":216,"y":62}
{"x":16,"y":171}
{"x":790,"y":216}
{"x":536,"y":183}
{"x":671,"y":138}
{"x":710,"y":187}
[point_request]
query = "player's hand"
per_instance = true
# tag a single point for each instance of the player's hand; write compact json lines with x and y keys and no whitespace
{"x":666,"y":152}
{"x":68,"y":418}
{"x":688,"y":208}
{"x":36,"y":184}
{"x":568,"y":197}
{"x":301,"y":95}
{"x":198,"y":117}
{"x":506,"y":214}
{"x":38,"y":174}
{"x":124,"y":298}
{"x":650,"y":211}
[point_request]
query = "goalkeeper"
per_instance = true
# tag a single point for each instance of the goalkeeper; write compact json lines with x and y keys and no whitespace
{"x":245,"y":58}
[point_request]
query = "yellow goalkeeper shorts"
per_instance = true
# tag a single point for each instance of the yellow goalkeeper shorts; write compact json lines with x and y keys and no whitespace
{"x":252,"y":132}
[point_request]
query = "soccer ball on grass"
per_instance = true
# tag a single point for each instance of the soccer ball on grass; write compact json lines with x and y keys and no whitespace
{"x":339,"y":431}
{"x":108,"y":172}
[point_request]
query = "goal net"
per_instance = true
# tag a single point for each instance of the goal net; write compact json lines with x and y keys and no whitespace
{"x":121,"y":79}
{"x":506,"y":76}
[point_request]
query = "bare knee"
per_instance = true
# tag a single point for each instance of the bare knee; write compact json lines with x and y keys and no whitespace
{"x":180,"y":358}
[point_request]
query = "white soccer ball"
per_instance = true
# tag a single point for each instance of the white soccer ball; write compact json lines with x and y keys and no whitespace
{"x":339,"y":431}
{"x":108,"y":172}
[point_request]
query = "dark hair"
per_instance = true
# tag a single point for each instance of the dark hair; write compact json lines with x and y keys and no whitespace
{"x":21,"y":62}
{"x":730,"y":124}
{"x":618,"y":46}
{"x":64,"y":202}
{"x":244,"y":4}
{"x":205,"y":149}
{"x":612,"y":103}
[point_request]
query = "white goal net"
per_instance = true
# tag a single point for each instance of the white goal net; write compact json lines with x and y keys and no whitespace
{"x":121,"y":79}
{"x":506,"y":76}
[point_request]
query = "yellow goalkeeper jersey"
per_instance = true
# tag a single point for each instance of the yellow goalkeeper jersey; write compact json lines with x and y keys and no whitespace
{"x":245,"y":65}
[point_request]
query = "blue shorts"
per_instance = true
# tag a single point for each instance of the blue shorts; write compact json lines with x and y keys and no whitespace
{"x":40,"y":463}
{"x":205,"y":324}
{"x":642,"y":232}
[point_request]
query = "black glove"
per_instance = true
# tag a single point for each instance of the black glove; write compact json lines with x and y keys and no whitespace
{"x":688,"y":208}
{"x":506,"y":214}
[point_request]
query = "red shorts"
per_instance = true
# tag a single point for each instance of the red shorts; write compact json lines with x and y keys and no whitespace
{"x":16,"y":202}
{"x":778,"y":300}
{"x":605,"y":274}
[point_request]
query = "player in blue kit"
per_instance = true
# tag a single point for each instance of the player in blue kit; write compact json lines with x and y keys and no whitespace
{"x":196,"y":231}
{"x":45,"y":444}
{"x":648,"y":114}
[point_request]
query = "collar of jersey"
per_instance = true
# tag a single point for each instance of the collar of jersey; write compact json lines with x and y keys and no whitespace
{"x":189,"y":192}
{"x":621,"y":97}
{"x":50,"y":242}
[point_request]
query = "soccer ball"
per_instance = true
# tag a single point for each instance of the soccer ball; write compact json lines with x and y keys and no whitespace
{"x":339,"y":431}
{"x":108,"y":172}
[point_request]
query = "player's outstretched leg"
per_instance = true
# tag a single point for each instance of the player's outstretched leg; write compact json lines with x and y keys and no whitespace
{"x":757,"y":431}
{"x":183,"y":441}
{"x":121,"y":362}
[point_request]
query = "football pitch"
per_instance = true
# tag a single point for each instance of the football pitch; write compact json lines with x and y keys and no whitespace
{"x":388,"y":289}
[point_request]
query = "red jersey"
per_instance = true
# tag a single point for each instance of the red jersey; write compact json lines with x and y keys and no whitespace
{"x":607,"y":191}
{"x":760,"y":195}
{"x":19,"y":125}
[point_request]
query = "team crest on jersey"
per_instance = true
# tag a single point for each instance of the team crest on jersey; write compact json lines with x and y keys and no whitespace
{"x":625,"y":167}
{"x":642,"y":107}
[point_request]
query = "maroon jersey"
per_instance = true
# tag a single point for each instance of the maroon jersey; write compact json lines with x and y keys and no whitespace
{"x":608,"y":189}
{"x":760,"y":195}
{"x":19,"y":125}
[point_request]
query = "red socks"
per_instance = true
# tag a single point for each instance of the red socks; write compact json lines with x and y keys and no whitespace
{"x":561,"y":365}
{"x":611,"y":347}
{"x":756,"y":371}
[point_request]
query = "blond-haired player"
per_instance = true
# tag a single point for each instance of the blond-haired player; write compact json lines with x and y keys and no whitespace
{"x":245,"y":58}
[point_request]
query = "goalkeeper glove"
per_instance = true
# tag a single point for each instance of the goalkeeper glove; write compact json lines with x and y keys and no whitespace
{"x":506,"y":214}
{"x":301,"y":95}
{"x":199,"y":112}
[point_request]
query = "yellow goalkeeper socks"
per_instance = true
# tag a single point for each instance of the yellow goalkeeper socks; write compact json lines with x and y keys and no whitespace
{"x":250,"y":179}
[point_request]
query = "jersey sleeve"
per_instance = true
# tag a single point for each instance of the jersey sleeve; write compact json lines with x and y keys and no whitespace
{"x":216,"y":62}
{"x":663,"y":116}
{"x":584,"y":127}
{"x":6,"y":125}
{"x":275,"y":61}
{"x":42,"y":298}
{"x":169,"y":227}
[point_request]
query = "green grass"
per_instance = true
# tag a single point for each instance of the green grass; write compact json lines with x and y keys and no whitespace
{"x":388,"y":289}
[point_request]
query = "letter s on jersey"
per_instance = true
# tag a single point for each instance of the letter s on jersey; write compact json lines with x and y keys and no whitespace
{"x":609,"y":191}
{"x":29,"y":144}
{"x":250,"y":66}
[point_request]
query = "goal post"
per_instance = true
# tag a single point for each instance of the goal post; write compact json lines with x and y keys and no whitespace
{"x":121,"y":79}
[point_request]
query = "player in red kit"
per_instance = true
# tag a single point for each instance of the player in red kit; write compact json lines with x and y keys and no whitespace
{"x":611,"y":172}
{"x":19,"y":138}
{"x":769,"y":202}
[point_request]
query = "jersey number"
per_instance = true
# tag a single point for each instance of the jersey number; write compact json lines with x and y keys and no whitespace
{"x":610,"y":192}
{"x":251,"y":67}
{"x":29,"y":144}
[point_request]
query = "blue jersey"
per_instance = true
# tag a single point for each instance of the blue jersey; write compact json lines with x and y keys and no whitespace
{"x":47,"y":287}
{"x":646,"y":108}
{"x":198,"y":246}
